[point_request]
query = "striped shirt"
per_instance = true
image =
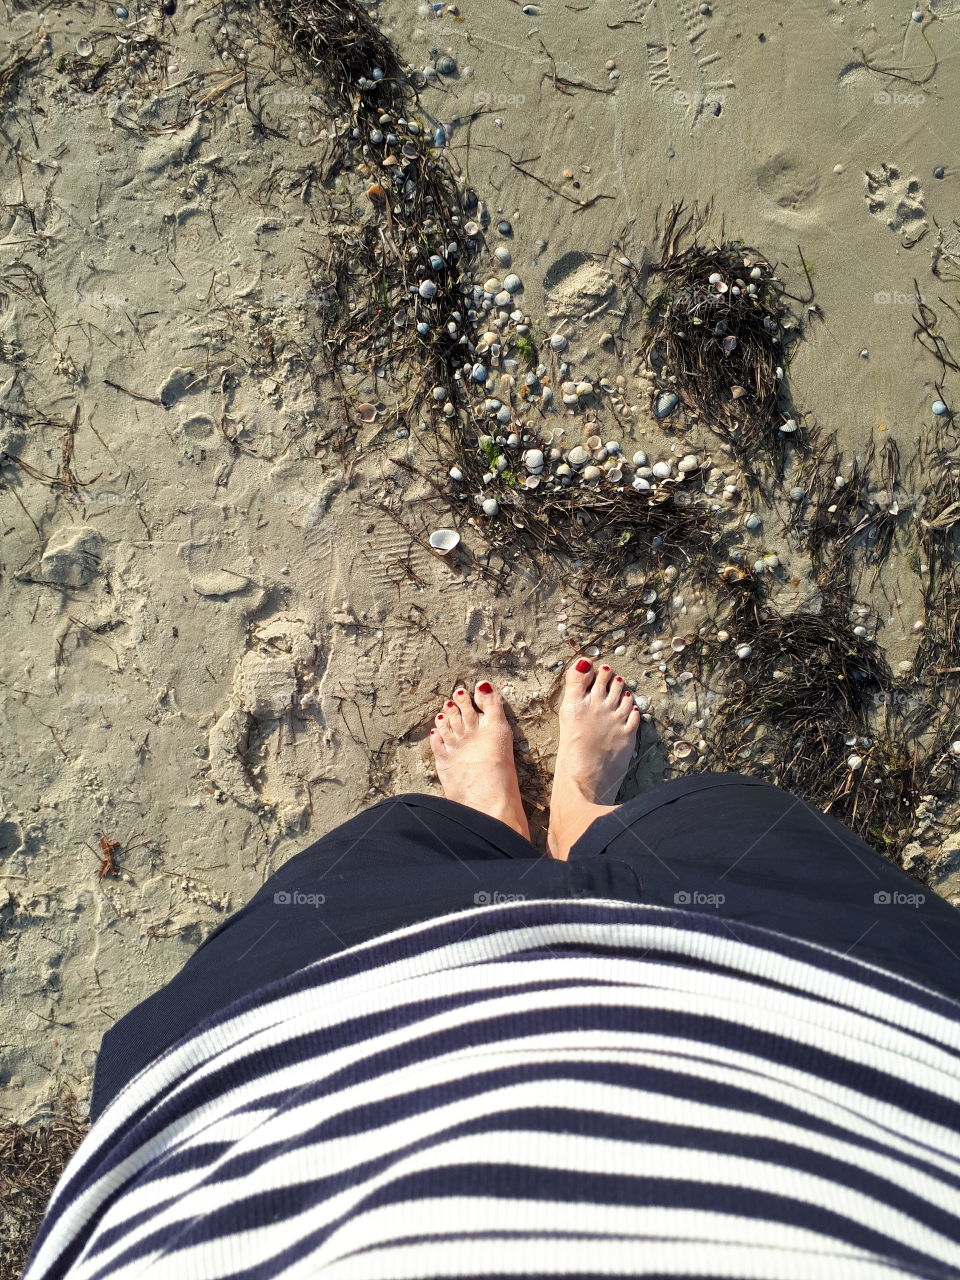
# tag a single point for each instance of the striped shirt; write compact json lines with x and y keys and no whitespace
{"x":551,"y":1088}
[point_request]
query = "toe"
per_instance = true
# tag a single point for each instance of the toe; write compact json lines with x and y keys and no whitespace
{"x":580,"y":677}
{"x":453,"y":719}
{"x":601,"y":686}
{"x":441,"y":731}
{"x":626,"y":706}
{"x":488,"y":701}
{"x":467,"y":710}
{"x":437,"y":744}
{"x":616,"y":691}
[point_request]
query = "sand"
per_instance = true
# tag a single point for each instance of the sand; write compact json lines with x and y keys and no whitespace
{"x":226,"y":638}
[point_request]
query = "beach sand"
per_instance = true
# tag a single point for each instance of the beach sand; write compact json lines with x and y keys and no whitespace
{"x":227,"y":635}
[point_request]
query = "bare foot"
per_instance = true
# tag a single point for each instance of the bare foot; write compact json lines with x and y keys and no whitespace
{"x":599,"y":719}
{"x":473,"y":748}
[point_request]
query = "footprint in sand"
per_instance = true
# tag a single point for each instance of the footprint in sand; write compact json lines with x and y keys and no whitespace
{"x":898,"y":201}
{"x":789,"y":179}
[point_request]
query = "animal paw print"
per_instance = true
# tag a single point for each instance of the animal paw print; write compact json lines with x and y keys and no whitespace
{"x":898,"y":201}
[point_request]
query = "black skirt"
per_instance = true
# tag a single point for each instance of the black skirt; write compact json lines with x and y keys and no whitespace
{"x":719,"y":843}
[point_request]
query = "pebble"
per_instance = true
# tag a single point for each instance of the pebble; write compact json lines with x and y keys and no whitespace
{"x":557,"y":342}
{"x":939,"y":171}
{"x":752,"y":521}
{"x":436,"y":262}
{"x":455,"y":473}
{"x":666,"y":402}
{"x":939,"y":408}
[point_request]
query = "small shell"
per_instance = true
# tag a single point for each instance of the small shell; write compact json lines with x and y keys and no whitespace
{"x":752,"y":521}
{"x":558,"y":342}
{"x":592,"y":475}
{"x":723,"y":636}
{"x":444,"y":540}
{"x":533,"y":460}
{"x":682,"y":749}
{"x":639,"y":458}
{"x":649,"y":596}
{"x":714,"y":277}
{"x":678,"y":644}
{"x":789,"y":426}
{"x":593,"y":442}
{"x":578,"y":456}
{"x":732,"y":573}
{"x":939,"y":408}
{"x":490,"y":506}
{"x":854,"y":762}
{"x":455,"y":473}
{"x":512,"y":284}
{"x":744,"y":651}
{"x":366,"y":413}
{"x":662,"y":470}
{"x":797,"y":494}
{"x":614,"y":475}
{"x":737,"y":392}
{"x":690,"y":463}
{"x":532,"y":482}
{"x":665,"y":403}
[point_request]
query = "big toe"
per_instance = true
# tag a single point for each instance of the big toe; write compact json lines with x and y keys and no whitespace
{"x":580,"y":676}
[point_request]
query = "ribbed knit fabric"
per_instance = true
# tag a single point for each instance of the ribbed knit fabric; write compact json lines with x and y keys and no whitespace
{"x":547,"y":1088}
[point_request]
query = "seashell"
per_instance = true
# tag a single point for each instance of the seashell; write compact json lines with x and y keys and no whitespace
{"x":578,"y":455}
{"x":592,"y":475}
{"x":492,"y":285}
{"x":737,"y":392}
{"x":661,"y":470}
{"x":789,"y":426}
{"x":744,"y":651}
{"x":729,"y":343}
{"x":641,"y":485}
{"x":854,"y":762}
{"x":533,"y":459}
{"x":584,"y":388}
{"x":84,"y":47}
{"x":436,"y":262}
{"x":446,"y":65}
{"x":690,"y":463}
{"x":558,"y":342}
{"x":504,"y":415}
{"x":500,"y":464}
{"x":752,"y":521}
{"x":513,"y":440}
{"x":771,"y":562}
{"x":592,"y":652}
{"x":471,"y":228}
{"x":614,"y":475}
{"x":665,"y":403}
{"x":756,"y":274}
{"x":365,"y":413}
{"x":563,"y":470}
{"x":722,"y":288}
{"x":671,"y":574}
{"x":502,"y":299}
{"x":723,"y":636}
{"x":714,"y":277}
{"x":643,"y":703}
{"x":512,"y":283}
{"x":532,"y":482}
{"x":639,"y":458}
{"x":444,"y":540}
{"x":502,"y":255}
{"x":478,"y":373}
{"x":955,"y":748}
{"x":797,"y":494}
{"x":840,"y":482}
{"x":612,"y":446}
{"x":678,"y":644}
{"x":427,"y":289}
{"x":939,"y":408}
{"x":490,"y":506}
{"x":455,"y":473}
{"x":682,"y":749}
{"x":593,"y":442}
{"x":122,"y":12}
{"x":732,"y":573}
{"x":409,"y":150}
{"x":504,"y":228}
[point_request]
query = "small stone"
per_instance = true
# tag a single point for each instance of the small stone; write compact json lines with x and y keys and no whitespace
{"x":939,"y":171}
{"x":752,"y":521}
{"x":939,"y":408}
{"x":558,"y":342}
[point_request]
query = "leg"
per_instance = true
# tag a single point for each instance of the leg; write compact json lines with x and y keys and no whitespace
{"x":599,"y":719}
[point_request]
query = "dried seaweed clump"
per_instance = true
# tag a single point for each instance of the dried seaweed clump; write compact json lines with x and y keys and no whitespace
{"x":32,"y":1157}
{"x":719,"y":334}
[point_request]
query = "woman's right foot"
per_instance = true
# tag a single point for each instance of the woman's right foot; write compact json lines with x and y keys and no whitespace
{"x":599,"y":719}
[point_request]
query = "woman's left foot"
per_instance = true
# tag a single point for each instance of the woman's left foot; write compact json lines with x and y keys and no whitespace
{"x":473,"y":748}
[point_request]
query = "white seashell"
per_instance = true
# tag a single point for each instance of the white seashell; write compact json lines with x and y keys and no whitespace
{"x":840,"y":482}
{"x":797,"y":494}
{"x":531,"y":482}
{"x":502,"y":299}
{"x":723,"y":636}
{"x":444,"y":540}
{"x":678,"y":644}
{"x":614,"y":475}
{"x":771,"y":562}
{"x":666,"y":402}
{"x":662,"y":470}
{"x":439,"y":393}
{"x":513,"y":440}
{"x":752,"y":521}
{"x":578,"y":455}
{"x":558,"y":342}
{"x":455,"y":473}
{"x":490,"y":506}
{"x":584,"y":388}
{"x":533,"y":459}
{"x":502,"y":256}
{"x":427,"y":289}
{"x":939,"y":408}
{"x":493,"y":285}
{"x":670,"y":574}
{"x":612,"y":446}
{"x":641,"y":485}
{"x":504,"y":415}
{"x":758,"y":566}
{"x":690,"y":463}
{"x":714,"y":277}
{"x":500,"y":464}
{"x":592,"y":475}
{"x":594,"y":442}
{"x":744,"y":651}
{"x":789,"y":426}
{"x":513,"y":284}
{"x":955,"y":748}
{"x":854,"y":762}
{"x":756,"y":274}
{"x":639,"y":458}
{"x":682,"y":749}
{"x":860,"y":631}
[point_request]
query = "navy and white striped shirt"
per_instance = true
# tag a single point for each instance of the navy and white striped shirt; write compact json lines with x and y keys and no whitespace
{"x":547,"y":1088}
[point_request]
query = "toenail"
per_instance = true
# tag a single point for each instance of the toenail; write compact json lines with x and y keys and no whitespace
{"x":440,"y":716}
{"x":604,"y":667}
{"x":583,"y":666}
{"x":626,"y":694}
{"x":433,"y":731}
{"x":461,"y":692}
{"x":450,"y":704}
{"x":620,"y":678}
{"x":485,"y":687}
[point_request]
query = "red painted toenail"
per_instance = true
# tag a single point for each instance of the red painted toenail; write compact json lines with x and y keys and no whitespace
{"x":440,"y":716}
{"x":461,"y":692}
{"x":485,"y":687}
{"x":626,"y":694}
{"x":433,"y":731}
{"x":604,"y":667}
{"x":620,"y":678}
{"x":450,"y":704}
{"x":583,"y":666}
